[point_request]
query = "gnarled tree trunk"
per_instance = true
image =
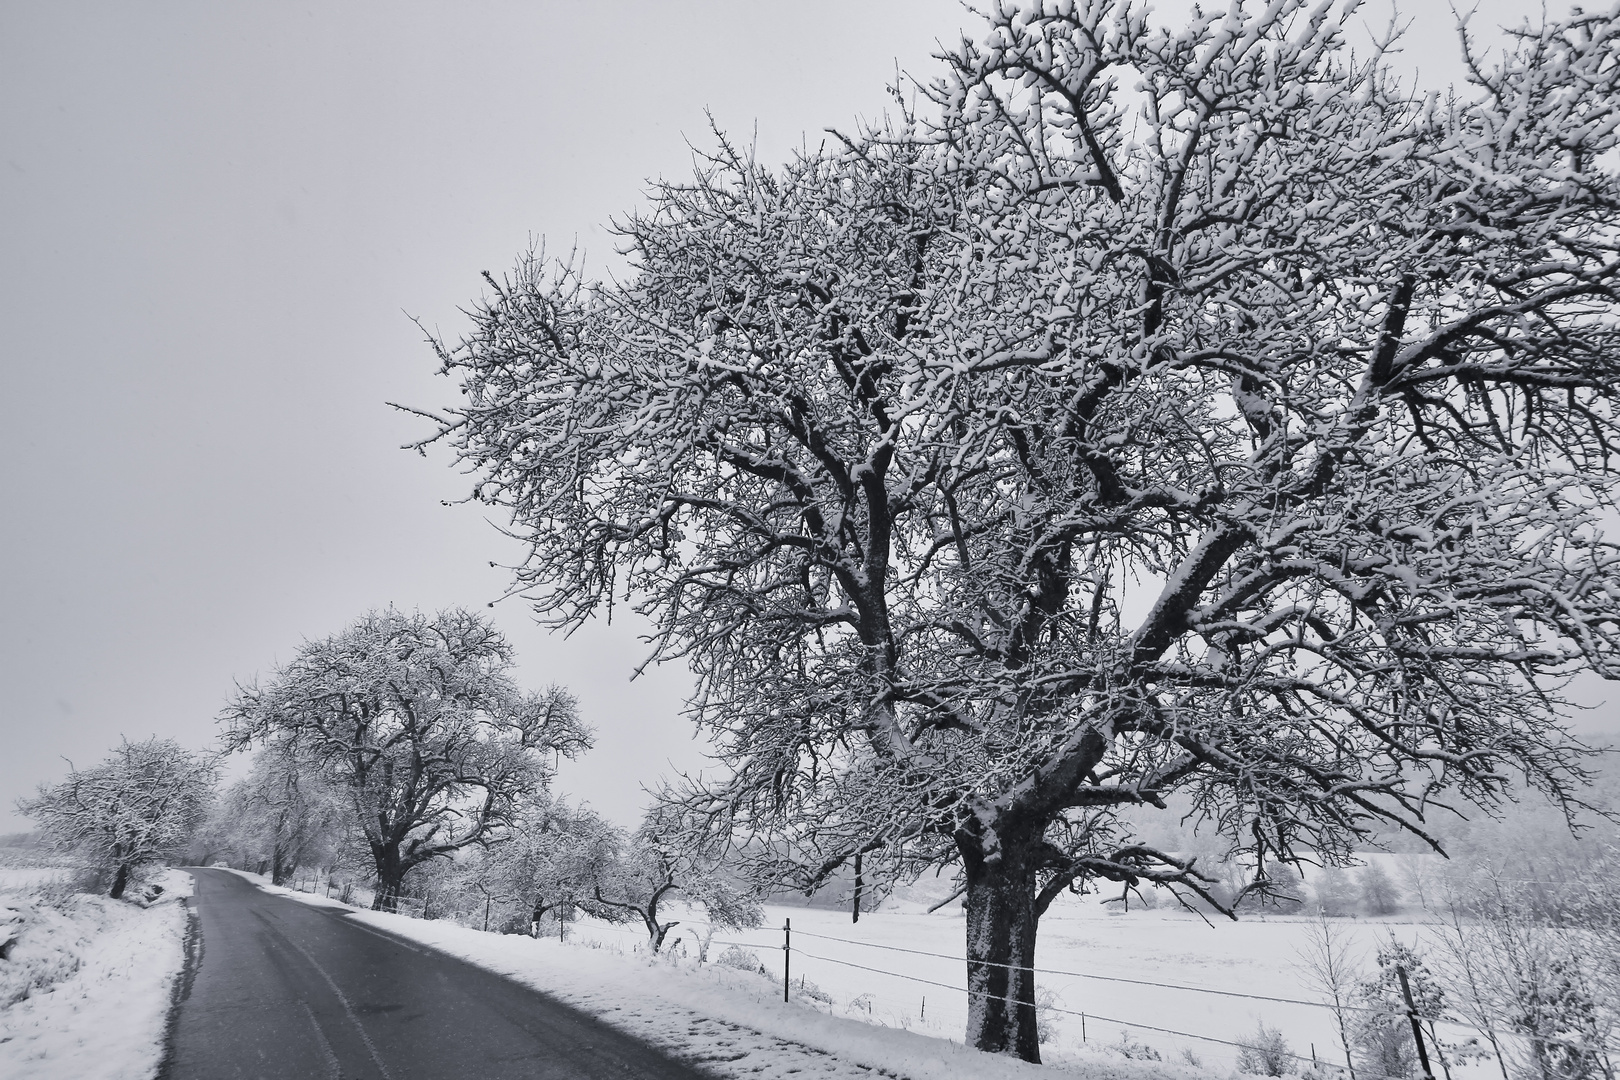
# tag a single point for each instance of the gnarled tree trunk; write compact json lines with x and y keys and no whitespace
{"x":279,"y":870}
{"x":1001,"y":922}
{"x":390,"y":878}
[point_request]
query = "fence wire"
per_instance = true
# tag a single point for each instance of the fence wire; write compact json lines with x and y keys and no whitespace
{"x":1372,"y":1010}
{"x":1396,"y":1015}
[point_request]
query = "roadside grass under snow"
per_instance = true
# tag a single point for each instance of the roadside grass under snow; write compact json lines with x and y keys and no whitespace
{"x":85,"y":984}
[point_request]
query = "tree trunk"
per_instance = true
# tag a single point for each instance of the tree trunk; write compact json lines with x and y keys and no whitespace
{"x":120,"y":879}
{"x":1001,"y":924}
{"x":278,"y":866}
{"x":386,"y":898}
{"x":390,"y":879}
{"x":655,"y":932}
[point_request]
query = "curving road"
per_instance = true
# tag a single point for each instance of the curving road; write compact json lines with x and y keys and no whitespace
{"x":284,"y":990}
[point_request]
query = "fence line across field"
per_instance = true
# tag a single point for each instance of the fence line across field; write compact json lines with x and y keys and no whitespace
{"x":1102,"y":978}
{"x":1555,"y":1039}
{"x":1088,"y":1015}
{"x":1393,"y":1014}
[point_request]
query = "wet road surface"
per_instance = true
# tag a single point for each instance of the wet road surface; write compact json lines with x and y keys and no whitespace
{"x":284,"y":990}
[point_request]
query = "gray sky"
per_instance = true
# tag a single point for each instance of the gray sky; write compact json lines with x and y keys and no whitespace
{"x":214,"y":220}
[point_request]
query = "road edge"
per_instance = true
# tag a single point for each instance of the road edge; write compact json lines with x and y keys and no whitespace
{"x":192,"y":950}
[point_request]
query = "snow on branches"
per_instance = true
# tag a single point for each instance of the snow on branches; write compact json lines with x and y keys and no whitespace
{"x":140,"y":806}
{"x":1150,"y":413}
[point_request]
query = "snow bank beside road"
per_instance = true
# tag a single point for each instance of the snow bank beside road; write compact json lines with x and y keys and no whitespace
{"x":733,"y":1022}
{"x":730,"y":1022}
{"x":85,"y":988}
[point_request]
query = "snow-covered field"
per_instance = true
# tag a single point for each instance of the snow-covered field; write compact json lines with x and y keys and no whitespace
{"x":85,"y":986}
{"x":18,"y":879}
{"x":1084,"y":947}
{"x":904,"y":1015}
{"x":1257,"y":956}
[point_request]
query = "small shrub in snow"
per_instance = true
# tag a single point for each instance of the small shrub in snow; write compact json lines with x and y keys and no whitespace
{"x":808,"y":989}
{"x":1266,"y":1053}
{"x":742,"y":959}
{"x":1046,"y":1006}
{"x":1129,"y":1048}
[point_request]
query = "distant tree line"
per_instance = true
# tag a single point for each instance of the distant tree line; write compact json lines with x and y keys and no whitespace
{"x":401,"y":749}
{"x":562,"y":861}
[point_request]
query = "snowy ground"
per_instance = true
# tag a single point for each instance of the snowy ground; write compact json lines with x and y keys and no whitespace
{"x":18,"y":879}
{"x":85,"y":987}
{"x":1083,"y":947}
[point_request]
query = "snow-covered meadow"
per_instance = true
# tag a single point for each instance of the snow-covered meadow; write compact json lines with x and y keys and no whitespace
{"x":86,"y":982}
{"x":900,"y":967}
{"x":21,"y":879}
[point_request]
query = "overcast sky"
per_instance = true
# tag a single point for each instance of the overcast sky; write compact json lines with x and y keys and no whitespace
{"x":215,"y":220}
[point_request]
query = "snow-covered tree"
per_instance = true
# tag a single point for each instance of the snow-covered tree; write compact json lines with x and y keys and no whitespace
{"x":1335,"y":891}
{"x":1327,"y":959}
{"x":1378,"y":890}
{"x":1538,"y":980}
{"x":563,"y":855}
{"x":284,"y":814}
{"x":553,"y":859}
{"x":1382,"y":1034}
{"x":663,"y":862}
{"x":1152,"y":411}
{"x":1280,"y":889}
{"x":140,"y":806}
{"x":418,"y":721}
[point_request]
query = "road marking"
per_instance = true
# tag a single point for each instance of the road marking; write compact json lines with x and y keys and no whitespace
{"x":326,"y":1047}
{"x":347,"y":1010}
{"x":387,"y":937}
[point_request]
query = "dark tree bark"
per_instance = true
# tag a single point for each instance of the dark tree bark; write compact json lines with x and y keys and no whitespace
{"x":390,"y":877}
{"x":1001,"y":943}
{"x":120,"y":880}
{"x":1001,"y":925}
{"x":279,"y":870}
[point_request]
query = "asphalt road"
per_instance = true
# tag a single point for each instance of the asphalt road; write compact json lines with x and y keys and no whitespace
{"x":285,"y":990}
